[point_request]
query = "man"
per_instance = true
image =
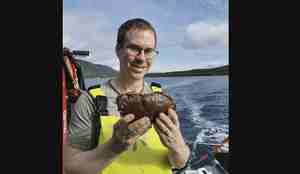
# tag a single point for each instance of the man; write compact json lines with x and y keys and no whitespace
{"x":126,"y":146}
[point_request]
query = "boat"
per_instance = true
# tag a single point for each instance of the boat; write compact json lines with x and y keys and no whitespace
{"x":207,"y":158}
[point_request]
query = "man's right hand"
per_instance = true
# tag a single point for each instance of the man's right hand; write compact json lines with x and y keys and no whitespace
{"x":127,"y":132}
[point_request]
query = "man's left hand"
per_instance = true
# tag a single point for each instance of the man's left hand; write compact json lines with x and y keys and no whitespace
{"x":167,"y":127}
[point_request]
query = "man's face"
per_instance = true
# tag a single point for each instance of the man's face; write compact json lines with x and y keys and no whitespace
{"x":132,"y":65}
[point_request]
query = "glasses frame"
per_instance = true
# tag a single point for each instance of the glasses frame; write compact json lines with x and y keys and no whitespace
{"x":137,"y":50}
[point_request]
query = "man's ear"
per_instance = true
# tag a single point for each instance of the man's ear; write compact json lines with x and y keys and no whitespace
{"x":117,"y":50}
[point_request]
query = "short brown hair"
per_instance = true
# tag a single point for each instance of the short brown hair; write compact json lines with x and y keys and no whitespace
{"x":136,"y":23}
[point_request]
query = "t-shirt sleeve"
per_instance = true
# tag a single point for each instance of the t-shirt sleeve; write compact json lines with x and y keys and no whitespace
{"x":81,"y":122}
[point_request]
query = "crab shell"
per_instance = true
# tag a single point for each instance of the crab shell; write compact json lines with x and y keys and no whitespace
{"x":140,"y":105}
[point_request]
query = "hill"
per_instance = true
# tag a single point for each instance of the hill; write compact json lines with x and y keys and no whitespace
{"x":223,"y":70}
{"x":91,"y":70}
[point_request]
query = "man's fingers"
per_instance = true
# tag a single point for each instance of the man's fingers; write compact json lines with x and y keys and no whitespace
{"x":141,"y":122}
{"x":128,"y":118}
{"x":132,"y":139}
{"x":161,"y":134}
{"x":162,"y":127}
{"x":140,"y":126}
{"x":166,"y":121}
{"x":173,"y":116}
{"x":159,"y":131}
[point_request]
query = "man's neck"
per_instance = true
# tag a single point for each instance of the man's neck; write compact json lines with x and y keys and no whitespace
{"x":125,"y":85}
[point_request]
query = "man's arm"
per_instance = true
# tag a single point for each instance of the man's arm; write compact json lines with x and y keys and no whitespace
{"x":167,"y":127}
{"x":94,"y":161}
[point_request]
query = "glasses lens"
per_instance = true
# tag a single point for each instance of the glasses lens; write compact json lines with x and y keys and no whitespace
{"x":135,"y":50}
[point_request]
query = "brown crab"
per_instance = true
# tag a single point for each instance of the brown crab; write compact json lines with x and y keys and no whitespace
{"x":141,"y":105}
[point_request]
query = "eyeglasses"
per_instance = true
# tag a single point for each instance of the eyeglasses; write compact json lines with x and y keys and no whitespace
{"x":136,"y":50}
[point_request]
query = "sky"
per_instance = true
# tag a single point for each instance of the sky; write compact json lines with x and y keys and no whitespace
{"x":191,"y":33}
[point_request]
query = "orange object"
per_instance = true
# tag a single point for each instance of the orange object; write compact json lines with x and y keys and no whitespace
{"x":217,"y":147}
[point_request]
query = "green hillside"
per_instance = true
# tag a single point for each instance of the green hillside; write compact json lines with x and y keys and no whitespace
{"x":91,"y":70}
{"x":223,"y":70}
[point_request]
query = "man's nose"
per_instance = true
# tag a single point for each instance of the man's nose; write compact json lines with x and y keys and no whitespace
{"x":141,"y":55}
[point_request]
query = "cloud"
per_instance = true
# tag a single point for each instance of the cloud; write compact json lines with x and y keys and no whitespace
{"x":90,"y":31}
{"x":80,"y":31}
{"x":202,"y":35}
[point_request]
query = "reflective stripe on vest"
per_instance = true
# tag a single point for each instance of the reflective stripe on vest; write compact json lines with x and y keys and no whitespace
{"x":147,"y":156}
{"x":155,"y":87}
{"x":96,"y":92}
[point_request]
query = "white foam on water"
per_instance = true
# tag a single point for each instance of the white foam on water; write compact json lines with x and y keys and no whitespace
{"x":211,"y":136}
{"x":177,"y":83}
{"x":195,"y":115}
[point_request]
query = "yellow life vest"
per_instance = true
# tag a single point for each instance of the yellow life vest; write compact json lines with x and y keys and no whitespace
{"x":146,"y":156}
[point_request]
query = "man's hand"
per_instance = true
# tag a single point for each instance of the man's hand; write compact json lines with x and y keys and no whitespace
{"x":168,"y":129}
{"x":126,"y":133}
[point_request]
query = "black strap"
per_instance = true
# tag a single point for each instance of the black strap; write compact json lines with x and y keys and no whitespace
{"x":96,"y":127}
{"x":156,"y":84}
{"x":100,"y":102}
